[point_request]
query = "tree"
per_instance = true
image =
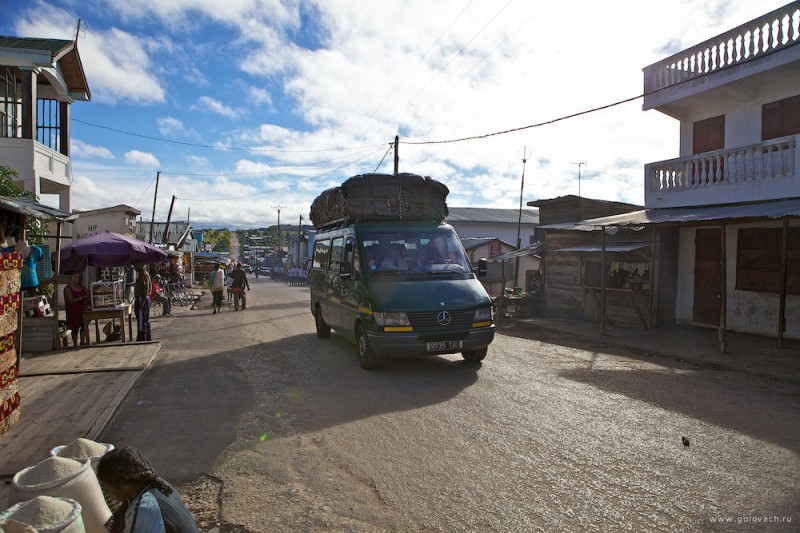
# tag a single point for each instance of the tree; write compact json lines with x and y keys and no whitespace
{"x":35,"y":229}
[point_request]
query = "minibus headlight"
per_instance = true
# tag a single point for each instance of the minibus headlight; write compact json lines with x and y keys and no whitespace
{"x":483,"y":314}
{"x":391,"y":319}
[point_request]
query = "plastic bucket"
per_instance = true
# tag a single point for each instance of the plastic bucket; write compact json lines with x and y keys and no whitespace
{"x":57,"y":452}
{"x":81,"y":485}
{"x":68,"y":522}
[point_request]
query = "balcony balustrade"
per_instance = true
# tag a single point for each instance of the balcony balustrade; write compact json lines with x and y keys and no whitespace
{"x":765,"y":35}
{"x":763,"y":171}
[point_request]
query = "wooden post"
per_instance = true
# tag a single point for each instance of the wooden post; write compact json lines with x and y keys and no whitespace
{"x":723,"y":311}
{"x":655,"y":256}
{"x":784,"y":280}
{"x":396,"y":153}
{"x":153,"y":218}
{"x":57,"y":336}
{"x":603,"y":280}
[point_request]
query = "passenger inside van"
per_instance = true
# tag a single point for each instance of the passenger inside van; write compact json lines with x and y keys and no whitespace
{"x":396,"y":259}
{"x":431,"y":255}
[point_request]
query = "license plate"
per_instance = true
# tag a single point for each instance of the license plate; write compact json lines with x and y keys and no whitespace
{"x":438,"y":346}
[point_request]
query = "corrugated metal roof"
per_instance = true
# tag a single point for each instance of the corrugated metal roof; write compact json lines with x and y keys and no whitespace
{"x":27,"y":207}
{"x":616,"y":247}
{"x":490,"y":214}
{"x":54,"y":46}
{"x":682,"y":215}
{"x":474,"y":242}
{"x":63,"y":52}
{"x":535,"y":249}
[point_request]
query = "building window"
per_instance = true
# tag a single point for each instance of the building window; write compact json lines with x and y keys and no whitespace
{"x":759,"y":260}
{"x":10,"y":105}
{"x":48,"y":123}
{"x":708,"y":135}
{"x":781,"y":118}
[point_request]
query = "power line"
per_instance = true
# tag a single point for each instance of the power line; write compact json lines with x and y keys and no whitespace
{"x":521,"y":128}
{"x":280,"y":188}
{"x":217,"y":147}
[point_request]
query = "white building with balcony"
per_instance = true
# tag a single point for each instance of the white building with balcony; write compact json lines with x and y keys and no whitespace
{"x":722,"y":219}
{"x":39,"y":80}
{"x":737,"y":97}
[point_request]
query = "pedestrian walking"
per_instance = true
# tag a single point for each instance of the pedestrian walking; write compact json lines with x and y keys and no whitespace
{"x":156,"y":295}
{"x":238,"y":284}
{"x":217,"y":283}
{"x":141,"y":303}
{"x":148,"y":502}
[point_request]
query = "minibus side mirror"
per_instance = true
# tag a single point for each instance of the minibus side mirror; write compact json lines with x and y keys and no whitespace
{"x":483,"y":267}
{"x":345,"y":270}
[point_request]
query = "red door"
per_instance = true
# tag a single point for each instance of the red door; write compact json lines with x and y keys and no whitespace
{"x":707,"y":277}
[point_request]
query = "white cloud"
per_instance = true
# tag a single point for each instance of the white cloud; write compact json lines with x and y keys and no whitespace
{"x":215,"y":106}
{"x":260,"y":96}
{"x":441,"y":70}
{"x":79,"y":148}
{"x":141,"y":159}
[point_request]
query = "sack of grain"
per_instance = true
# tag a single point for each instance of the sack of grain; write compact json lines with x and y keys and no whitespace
{"x":82,"y":449}
{"x":66,"y":478}
{"x":43,"y":514}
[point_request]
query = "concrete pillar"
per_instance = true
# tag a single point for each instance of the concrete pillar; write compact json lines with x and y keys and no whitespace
{"x":29,"y":96}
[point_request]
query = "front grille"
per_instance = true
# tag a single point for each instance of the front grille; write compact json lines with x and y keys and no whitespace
{"x":428,"y":320}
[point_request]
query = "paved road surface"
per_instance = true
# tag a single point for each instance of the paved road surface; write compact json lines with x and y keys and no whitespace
{"x":265,"y":427}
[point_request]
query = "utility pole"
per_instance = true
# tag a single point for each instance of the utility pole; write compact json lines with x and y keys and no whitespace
{"x":524,"y":152}
{"x":580,"y":164}
{"x":299,"y":224}
{"x":153,"y":218}
{"x":279,"y":207}
{"x":164,"y":238}
{"x":396,"y":154}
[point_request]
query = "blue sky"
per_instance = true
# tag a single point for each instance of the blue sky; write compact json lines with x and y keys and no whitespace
{"x":247,"y":105}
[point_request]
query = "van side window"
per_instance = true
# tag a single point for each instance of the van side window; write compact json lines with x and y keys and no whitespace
{"x":321,"y":254}
{"x":337,"y":249}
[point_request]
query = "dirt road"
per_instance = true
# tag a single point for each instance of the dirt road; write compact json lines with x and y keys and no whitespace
{"x":265,"y":427}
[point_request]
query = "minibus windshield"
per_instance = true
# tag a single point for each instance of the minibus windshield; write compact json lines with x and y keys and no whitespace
{"x":422,"y":251}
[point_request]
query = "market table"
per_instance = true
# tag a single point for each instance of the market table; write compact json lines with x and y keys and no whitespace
{"x":114,"y":313}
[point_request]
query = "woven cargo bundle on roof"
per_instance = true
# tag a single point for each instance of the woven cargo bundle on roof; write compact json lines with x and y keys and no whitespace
{"x":382,"y":197}
{"x":10,"y":281}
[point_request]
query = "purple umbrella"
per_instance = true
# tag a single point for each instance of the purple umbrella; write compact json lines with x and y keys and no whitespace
{"x":108,"y":250}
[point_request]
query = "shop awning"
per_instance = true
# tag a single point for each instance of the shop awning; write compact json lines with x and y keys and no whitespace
{"x":536,"y":249}
{"x":682,"y":215}
{"x":615,"y":247}
{"x":27,"y":207}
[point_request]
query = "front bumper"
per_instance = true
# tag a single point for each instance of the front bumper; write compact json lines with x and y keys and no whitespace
{"x":415,"y":343}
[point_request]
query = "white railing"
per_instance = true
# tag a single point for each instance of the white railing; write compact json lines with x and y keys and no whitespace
{"x":757,"y":38}
{"x":770,"y":159}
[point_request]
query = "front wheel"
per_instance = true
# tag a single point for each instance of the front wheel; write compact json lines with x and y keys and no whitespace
{"x":323,"y":329}
{"x":475,"y":356}
{"x":366,"y":357}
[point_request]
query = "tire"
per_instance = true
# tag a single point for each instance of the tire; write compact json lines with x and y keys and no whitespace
{"x":475,"y":356}
{"x":323,"y":329}
{"x":366,"y":357}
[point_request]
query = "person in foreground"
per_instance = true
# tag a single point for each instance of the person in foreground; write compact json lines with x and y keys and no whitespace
{"x":148,"y":503}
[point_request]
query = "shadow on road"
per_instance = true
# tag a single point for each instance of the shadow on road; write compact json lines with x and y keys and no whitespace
{"x":183,"y":415}
{"x":770,"y":415}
